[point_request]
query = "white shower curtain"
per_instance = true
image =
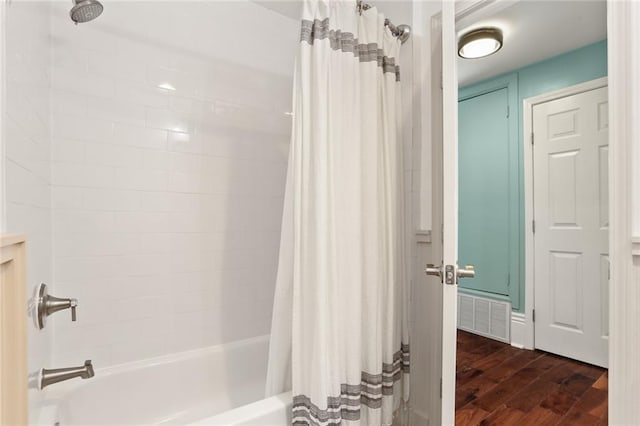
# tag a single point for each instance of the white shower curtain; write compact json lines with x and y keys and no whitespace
{"x":339,"y":335}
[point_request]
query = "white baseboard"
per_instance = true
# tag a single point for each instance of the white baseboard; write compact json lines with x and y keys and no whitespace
{"x":518,"y":330}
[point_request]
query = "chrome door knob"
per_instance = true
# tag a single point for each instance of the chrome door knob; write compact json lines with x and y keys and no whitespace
{"x":466,"y":272}
{"x":431,"y":269}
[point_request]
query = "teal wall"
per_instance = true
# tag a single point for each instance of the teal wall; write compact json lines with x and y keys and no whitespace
{"x":489,"y":207}
{"x":577,"y":66}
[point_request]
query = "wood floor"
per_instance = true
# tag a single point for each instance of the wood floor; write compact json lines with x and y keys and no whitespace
{"x":498,"y":384}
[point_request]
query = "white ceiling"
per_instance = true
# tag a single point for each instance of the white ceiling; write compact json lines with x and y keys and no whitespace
{"x":535,"y":30}
{"x":399,"y":11}
{"x":289,"y":8}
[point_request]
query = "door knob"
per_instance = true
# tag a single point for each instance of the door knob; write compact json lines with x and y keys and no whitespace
{"x":431,"y":269}
{"x":466,"y":272}
{"x":450,"y":277}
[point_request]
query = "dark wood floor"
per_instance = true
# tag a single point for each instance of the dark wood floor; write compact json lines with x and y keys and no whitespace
{"x":498,"y":384}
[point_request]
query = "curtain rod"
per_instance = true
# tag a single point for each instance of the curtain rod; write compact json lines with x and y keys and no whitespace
{"x":403,"y":31}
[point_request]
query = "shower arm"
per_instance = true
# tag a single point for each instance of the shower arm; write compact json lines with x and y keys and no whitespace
{"x":403,"y":31}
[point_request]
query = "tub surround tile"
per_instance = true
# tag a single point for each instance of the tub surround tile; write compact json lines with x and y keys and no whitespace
{"x":169,"y":163}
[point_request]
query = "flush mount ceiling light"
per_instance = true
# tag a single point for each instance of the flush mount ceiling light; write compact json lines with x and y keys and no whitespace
{"x":479,"y":43}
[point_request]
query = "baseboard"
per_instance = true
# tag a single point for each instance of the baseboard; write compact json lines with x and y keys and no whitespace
{"x":518,"y":330}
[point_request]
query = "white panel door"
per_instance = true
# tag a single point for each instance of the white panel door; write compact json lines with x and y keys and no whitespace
{"x":449,"y":211}
{"x":570,"y":166}
{"x":445,"y":213}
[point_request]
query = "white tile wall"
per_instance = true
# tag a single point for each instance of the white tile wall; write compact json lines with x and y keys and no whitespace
{"x":27,"y":151}
{"x":169,"y":157}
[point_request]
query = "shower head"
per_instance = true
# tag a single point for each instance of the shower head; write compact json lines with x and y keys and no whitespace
{"x":85,"y":10}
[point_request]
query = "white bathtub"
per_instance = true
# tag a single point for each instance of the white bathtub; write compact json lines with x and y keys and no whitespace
{"x":221,"y":385}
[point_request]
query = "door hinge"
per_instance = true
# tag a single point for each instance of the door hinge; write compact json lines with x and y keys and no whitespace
{"x":533,"y":226}
{"x":509,"y":280}
{"x":440,"y":388}
{"x":507,"y":111}
{"x":533,"y":315}
{"x":442,"y":233}
{"x":531,"y":138}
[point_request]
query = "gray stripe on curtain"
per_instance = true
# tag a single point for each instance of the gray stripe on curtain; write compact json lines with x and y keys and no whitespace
{"x":345,"y":42}
{"x":347,"y":406}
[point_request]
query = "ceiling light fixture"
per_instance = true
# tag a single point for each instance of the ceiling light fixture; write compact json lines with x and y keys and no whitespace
{"x":479,"y":43}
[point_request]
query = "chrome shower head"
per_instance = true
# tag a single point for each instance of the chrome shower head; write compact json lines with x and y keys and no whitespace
{"x":85,"y":10}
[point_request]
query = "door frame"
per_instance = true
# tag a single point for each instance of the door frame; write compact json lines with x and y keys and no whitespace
{"x":623,"y":42}
{"x":527,"y":329}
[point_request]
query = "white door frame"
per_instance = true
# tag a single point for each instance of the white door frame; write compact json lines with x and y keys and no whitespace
{"x":623,"y":49}
{"x":527,"y":115}
{"x":623,"y":44}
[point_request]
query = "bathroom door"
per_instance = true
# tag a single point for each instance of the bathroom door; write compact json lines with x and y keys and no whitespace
{"x":441,"y":334}
{"x":449,"y":211}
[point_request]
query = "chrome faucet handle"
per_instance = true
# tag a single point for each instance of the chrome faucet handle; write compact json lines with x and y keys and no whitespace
{"x":48,"y":305}
{"x":73,"y":304}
